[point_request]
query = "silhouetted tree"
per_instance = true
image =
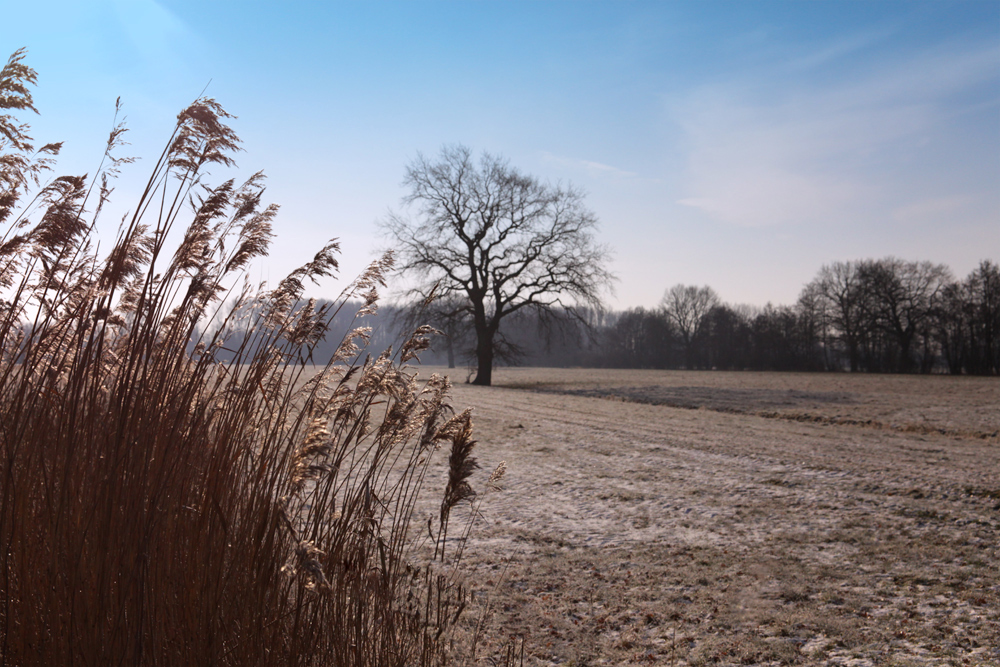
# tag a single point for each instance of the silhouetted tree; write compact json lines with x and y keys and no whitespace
{"x":966,"y":322}
{"x":903,"y":298}
{"x":727,"y":338}
{"x":499,"y":239}
{"x":981,"y":295}
{"x":640,"y":338}
{"x":840,"y":293}
{"x":686,"y":308}
{"x":952,"y":327}
{"x":814,"y":321}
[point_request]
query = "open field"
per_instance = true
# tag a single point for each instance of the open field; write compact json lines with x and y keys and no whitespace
{"x":739,"y":518}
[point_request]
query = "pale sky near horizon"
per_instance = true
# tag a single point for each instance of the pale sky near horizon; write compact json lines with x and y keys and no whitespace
{"x":740,"y":145}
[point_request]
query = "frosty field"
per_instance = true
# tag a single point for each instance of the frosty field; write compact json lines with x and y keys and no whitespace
{"x":655,"y":517}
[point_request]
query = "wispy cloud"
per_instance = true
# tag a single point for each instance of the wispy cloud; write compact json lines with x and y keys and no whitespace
{"x":933,"y":208}
{"x":838,"y":49}
{"x":591,"y":167}
{"x":767,"y":150}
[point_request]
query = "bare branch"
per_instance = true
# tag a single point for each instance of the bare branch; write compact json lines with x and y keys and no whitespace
{"x":498,"y":239}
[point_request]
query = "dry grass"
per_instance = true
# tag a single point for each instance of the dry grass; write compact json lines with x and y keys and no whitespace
{"x":964,"y":406}
{"x":641,"y":533}
{"x":161,"y":507}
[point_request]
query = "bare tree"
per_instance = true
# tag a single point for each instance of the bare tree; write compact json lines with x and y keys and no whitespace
{"x":952,"y":326}
{"x":502,"y":240}
{"x":967,"y":322}
{"x":905,"y":294}
{"x":841,"y":294}
{"x":686,"y":307}
{"x":983,"y":290}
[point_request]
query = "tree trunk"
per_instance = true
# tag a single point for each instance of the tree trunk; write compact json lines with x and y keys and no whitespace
{"x":486,"y":327}
{"x":688,"y":353}
{"x":451,"y":352}
{"x":484,"y":358}
{"x":905,"y":359}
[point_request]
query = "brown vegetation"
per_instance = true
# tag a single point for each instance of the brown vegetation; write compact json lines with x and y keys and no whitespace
{"x":637,"y":531}
{"x":160,"y":506}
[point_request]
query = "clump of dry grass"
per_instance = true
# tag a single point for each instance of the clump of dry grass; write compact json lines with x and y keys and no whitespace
{"x":159,"y":506}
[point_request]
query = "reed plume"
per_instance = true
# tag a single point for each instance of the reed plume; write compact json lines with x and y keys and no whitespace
{"x":163,"y":503}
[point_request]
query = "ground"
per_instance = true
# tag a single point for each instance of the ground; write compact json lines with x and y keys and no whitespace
{"x":684,"y":518}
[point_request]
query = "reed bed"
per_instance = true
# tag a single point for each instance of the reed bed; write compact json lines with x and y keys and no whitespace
{"x":162,"y":506}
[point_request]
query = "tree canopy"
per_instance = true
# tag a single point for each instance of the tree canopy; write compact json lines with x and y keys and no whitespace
{"x":500,"y":240}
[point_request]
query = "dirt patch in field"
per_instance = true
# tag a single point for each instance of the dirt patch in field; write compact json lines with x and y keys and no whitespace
{"x":959,"y":406}
{"x":717,"y":398}
{"x":641,"y":533}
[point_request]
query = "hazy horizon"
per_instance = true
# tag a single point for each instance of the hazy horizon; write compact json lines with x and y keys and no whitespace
{"x":736,"y":145}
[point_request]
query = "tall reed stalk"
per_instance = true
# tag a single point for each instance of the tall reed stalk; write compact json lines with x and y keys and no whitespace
{"x":159,"y":506}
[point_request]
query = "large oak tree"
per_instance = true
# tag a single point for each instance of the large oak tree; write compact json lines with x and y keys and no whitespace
{"x":501,"y":240}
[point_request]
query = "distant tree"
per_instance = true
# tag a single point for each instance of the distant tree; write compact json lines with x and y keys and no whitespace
{"x":783,"y":339}
{"x":982,"y":296}
{"x":728,"y":339}
{"x":686,"y":308}
{"x":814,"y":324}
{"x":549,"y":337}
{"x":904,"y":295}
{"x":500,"y":240}
{"x":839,"y":293}
{"x":451,"y":316}
{"x":639,"y":338}
{"x":952,"y":327}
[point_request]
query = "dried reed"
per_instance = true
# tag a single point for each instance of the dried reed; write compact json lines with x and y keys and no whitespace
{"x":160,"y":506}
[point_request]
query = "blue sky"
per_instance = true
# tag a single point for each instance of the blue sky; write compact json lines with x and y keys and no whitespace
{"x":740,"y":145}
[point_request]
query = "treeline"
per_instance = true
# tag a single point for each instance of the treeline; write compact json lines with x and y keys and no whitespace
{"x":885,"y":315}
{"x":881,"y":316}
{"x":382,"y":328}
